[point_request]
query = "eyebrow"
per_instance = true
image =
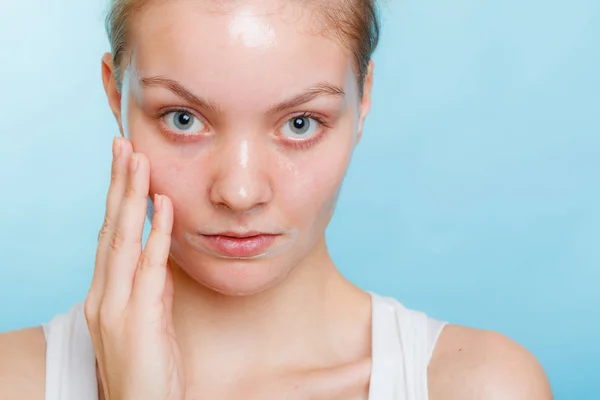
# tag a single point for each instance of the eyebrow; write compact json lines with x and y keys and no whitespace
{"x":179,"y":90}
{"x":318,"y":90}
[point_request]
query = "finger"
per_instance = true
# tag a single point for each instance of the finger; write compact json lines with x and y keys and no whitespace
{"x":118,"y":181}
{"x":126,"y":241}
{"x":168,"y":296}
{"x":152,"y":273}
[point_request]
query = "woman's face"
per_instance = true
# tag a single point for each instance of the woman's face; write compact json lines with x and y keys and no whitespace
{"x":248,"y":117}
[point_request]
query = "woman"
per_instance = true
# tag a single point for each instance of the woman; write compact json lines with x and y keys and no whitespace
{"x":238,"y":122}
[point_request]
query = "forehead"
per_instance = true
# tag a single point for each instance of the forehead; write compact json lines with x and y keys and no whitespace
{"x":250,"y":46}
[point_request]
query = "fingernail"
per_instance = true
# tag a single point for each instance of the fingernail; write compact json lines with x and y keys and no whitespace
{"x":116,"y":147}
{"x":135,"y":162}
{"x":157,"y":202}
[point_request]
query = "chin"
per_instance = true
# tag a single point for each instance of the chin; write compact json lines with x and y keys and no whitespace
{"x":236,"y":277}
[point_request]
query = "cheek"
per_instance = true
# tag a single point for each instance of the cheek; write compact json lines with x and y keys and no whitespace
{"x":312,"y":190}
{"x":173,"y":169}
{"x":171,"y":174}
{"x":312,"y":187}
{"x":184,"y":184}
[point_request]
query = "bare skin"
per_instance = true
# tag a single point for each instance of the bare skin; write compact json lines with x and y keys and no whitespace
{"x":284,"y":325}
{"x":468,"y":364}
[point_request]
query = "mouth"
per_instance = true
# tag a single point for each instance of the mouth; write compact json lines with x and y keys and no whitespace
{"x":240,"y":235}
{"x":240,"y":245}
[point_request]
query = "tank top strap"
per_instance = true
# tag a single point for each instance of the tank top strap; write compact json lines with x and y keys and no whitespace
{"x":402,"y":346}
{"x":70,"y":358}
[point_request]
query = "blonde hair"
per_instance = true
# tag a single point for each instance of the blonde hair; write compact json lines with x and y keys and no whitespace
{"x":354,"y":22}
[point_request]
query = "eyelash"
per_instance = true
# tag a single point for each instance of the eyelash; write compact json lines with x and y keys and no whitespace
{"x":176,"y":137}
{"x":305,"y":144}
{"x":299,"y":144}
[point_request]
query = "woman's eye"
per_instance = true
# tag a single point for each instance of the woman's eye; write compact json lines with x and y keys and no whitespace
{"x":184,"y":122}
{"x":300,"y":128}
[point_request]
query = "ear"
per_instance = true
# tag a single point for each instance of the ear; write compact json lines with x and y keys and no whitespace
{"x":110,"y":87}
{"x":365,"y":105}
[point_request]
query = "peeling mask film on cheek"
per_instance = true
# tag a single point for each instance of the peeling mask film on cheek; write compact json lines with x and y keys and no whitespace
{"x":130,"y":90}
{"x":125,"y":102}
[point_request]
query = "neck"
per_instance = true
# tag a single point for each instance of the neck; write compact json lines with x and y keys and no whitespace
{"x":314,"y":319}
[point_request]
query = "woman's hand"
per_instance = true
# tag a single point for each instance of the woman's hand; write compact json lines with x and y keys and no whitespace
{"x":129,"y":306}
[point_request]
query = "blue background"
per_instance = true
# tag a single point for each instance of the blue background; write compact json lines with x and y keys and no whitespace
{"x":474,"y":195}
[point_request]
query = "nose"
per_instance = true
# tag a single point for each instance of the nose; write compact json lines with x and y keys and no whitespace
{"x":241,"y":182}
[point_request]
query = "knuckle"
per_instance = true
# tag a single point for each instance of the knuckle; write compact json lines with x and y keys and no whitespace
{"x":105,"y":228}
{"x":90,"y":310}
{"x":159,"y":231}
{"x":130,"y":191}
{"x":145,"y":261}
{"x":114,"y":174}
{"x":117,"y":239}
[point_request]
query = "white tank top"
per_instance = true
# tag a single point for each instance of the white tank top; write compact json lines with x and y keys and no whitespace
{"x":402,"y":344}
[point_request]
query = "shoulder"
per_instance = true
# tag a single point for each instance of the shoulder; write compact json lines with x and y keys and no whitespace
{"x":23,"y":364}
{"x":475,"y":364}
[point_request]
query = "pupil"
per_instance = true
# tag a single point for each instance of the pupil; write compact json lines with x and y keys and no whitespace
{"x":299,"y":123}
{"x":184,"y":119}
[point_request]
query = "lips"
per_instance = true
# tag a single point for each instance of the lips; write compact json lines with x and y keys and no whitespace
{"x":245,"y":245}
